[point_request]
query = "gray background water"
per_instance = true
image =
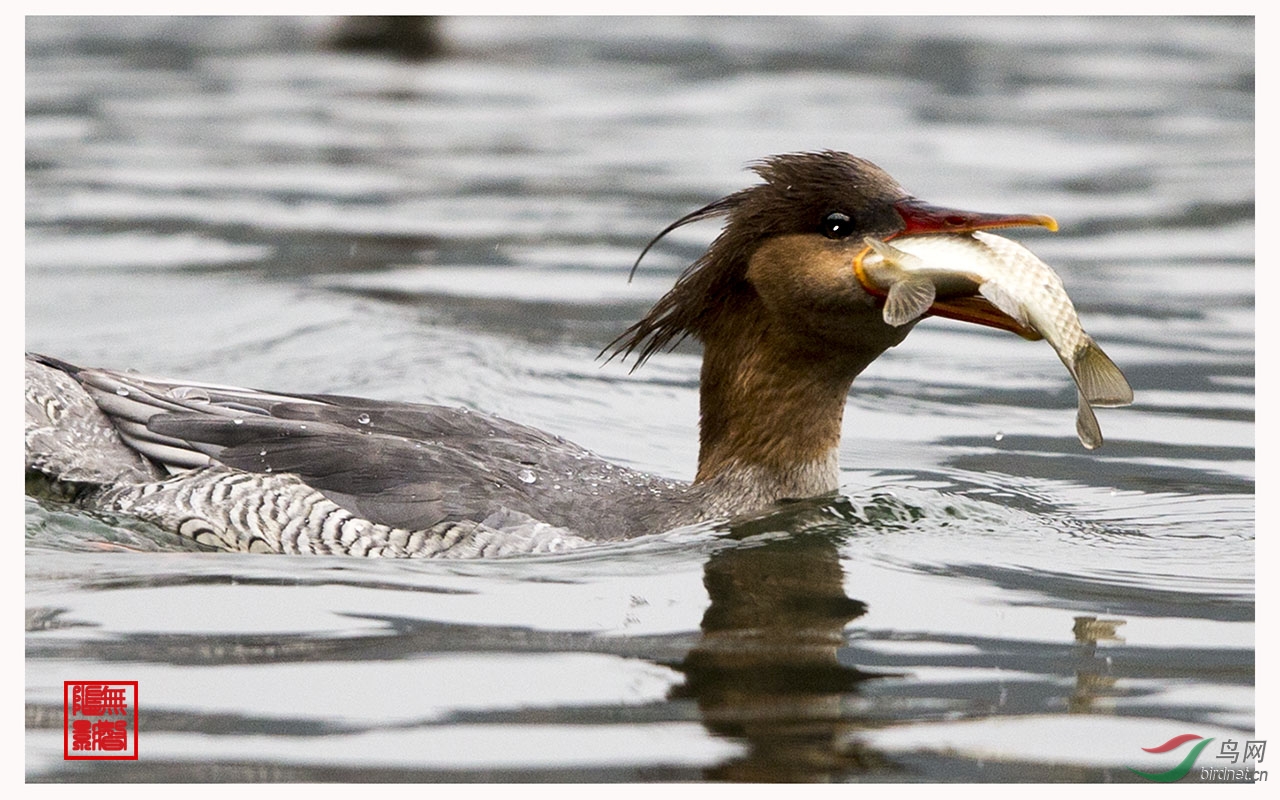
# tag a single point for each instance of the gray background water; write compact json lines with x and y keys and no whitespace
{"x":230,"y":200}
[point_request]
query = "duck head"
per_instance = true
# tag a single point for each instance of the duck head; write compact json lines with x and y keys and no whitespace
{"x":785,"y":324}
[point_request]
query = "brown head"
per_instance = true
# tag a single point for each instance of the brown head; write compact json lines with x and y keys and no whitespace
{"x":784,"y":322}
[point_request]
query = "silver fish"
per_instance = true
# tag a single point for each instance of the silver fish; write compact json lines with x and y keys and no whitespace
{"x":913,"y":271}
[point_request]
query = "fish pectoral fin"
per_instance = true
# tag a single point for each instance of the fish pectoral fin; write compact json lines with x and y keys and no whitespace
{"x":1087,"y":427}
{"x":1101,"y":381}
{"x":908,"y":299}
{"x":888,"y":252}
{"x":1001,"y":299}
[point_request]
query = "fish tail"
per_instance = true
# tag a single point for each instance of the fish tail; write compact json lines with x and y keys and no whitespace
{"x":1087,"y":427}
{"x":1101,"y":381}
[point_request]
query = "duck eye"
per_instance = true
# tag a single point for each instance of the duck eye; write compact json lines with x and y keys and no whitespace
{"x":836,"y":225}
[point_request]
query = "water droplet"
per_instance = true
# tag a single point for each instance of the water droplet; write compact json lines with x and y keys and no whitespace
{"x":267,"y":468}
{"x":262,"y":452}
{"x":363,"y":419}
{"x":237,"y":421}
{"x":526,"y":476}
{"x":555,"y":486}
{"x":192,"y":393}
{"x":302,"y":427}
{"x":123,"y":392}
{"x":999,"y":436}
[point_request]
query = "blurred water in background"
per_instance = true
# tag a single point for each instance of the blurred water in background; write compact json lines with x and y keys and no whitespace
{"x":231,"y":200}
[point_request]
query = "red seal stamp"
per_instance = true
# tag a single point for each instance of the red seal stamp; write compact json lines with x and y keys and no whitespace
{"x":100,"y":720}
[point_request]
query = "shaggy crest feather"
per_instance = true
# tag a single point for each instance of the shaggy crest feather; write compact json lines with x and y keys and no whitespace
{"x":799,"y":189}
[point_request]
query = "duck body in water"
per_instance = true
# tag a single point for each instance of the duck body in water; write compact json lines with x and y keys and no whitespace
{"x":785,"y":327}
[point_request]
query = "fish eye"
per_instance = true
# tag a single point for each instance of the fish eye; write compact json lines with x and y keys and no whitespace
{"x":836,"y":225}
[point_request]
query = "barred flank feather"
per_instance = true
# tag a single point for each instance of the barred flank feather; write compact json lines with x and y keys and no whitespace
{"x":241,"y":512}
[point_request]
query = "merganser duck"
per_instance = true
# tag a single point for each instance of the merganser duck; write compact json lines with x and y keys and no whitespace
{"x":785,"y":328}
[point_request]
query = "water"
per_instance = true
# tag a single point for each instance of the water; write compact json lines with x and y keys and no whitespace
{"x":227,"y":200}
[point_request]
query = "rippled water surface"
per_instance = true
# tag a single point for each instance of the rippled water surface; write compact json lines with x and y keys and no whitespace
{"x":232,"y":201}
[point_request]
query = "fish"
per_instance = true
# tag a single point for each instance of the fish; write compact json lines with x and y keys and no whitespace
{"x":914,"y":271}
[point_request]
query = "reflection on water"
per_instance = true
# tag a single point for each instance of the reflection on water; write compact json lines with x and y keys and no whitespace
{"x":766,"y":669}
{"x":792,"y":663}
{"x":226,"y":200}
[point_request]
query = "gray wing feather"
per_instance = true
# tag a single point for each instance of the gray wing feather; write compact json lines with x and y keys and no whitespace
{"x":404,"y":465}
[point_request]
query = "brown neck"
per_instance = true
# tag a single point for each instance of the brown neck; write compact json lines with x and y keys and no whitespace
{"x":772,"y":405}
